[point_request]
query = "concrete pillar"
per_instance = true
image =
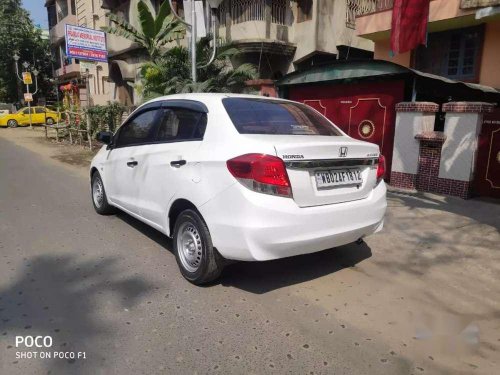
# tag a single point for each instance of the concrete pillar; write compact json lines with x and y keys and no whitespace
{"x":458,"y":156}
{"x":268,"y":17}
{"x":412,"y":119}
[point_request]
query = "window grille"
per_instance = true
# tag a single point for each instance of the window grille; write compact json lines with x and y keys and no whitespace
{"x":248,"y":10}
{"x":255,"y":10}
{"x":221,"y":14}
{"x":279,"y":9}
{"x":356,"y":8}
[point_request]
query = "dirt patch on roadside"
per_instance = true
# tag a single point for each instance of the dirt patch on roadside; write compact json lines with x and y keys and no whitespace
{"x":74,"y":157}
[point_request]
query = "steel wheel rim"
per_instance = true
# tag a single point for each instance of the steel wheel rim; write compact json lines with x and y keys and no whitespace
{"x":50,"y":121}
{"x":11,"y":123}
{"x":189,"y":246}
{"x":98,"y":192}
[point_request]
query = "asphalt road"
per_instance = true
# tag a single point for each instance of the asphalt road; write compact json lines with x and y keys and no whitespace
{"x":110,"y":287}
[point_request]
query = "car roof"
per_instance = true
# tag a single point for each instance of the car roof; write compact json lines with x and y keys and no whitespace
{"x":205,"y":98}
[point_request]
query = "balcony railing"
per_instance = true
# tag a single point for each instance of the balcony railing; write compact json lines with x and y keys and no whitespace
{"x":253,"y":10}
{"x":356,"y":8}
{"x":467,"y":4}
{"x":248,"y":10}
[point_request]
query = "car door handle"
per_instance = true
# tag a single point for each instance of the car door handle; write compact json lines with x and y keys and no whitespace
{"x":132,"y":164}
{"x":178,"y":163}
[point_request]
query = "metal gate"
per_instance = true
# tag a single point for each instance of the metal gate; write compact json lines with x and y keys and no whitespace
{"x":364,"y":111}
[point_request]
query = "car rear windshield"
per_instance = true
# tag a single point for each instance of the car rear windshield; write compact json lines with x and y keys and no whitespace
{"x":267,"y":116}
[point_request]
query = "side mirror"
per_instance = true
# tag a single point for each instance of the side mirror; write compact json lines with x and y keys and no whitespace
{"x":105,"y":137}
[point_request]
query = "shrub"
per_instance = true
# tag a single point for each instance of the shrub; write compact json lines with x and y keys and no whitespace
{"x":105,"y":117}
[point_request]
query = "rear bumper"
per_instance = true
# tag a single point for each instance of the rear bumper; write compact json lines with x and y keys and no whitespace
{"x":251,"y":226}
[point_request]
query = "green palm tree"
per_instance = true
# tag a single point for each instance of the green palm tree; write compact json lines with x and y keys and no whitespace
{"x":156,"y":29}
{"x":171,"y":73}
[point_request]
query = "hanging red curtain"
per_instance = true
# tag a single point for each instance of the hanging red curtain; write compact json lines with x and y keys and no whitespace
{"x":409,"y":24}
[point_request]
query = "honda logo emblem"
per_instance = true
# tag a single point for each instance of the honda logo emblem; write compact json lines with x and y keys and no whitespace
{"x":343,"y":152}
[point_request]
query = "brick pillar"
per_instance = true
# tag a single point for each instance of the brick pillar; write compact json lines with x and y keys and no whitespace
{"x":412,"y":118}
{"x":429,"y":160}
{"x":458,"y":157}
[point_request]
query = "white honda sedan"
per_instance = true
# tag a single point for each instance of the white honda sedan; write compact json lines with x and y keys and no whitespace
{"x":239,"y":177}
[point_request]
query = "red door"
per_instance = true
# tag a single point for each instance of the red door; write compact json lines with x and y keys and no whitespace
{"x":487,"y":178}
{"x":362,"y":110}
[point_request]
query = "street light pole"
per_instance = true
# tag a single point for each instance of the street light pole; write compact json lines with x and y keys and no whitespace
{"x":35,"y":73}
{"x":214,"y":4}
{"x":193,"y":40}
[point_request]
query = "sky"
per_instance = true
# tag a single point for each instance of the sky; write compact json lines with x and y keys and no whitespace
{"x":38,"y":11}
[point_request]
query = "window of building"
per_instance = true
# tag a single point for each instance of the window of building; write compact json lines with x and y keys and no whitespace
{"x":304,"y":10}
{"x":453,"y":54}
{"x":62,"y":12}
{"x":56,"y":56}
{"x":104,"y":85}
{"x":52,"y":15}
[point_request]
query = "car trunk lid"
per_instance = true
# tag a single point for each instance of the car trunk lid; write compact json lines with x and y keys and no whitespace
{"x":328,"y":170}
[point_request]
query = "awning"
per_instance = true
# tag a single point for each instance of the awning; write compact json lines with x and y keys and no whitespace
{"x":342,"y":71}
{"x":474,"y":86}
{"x":347,"y":70}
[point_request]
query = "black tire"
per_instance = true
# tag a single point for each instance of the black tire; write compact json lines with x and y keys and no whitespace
{"x":100,"y":200}
{"x":12,"y":123}
{"x":210,"y":263}
{"x":49,"y":121}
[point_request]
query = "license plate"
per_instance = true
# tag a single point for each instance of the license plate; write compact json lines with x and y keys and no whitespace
{"x":338,"y":177}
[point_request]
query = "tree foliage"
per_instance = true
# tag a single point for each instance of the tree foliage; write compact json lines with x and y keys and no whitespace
{"x":18,"y":33}
{"x":171,"y":73}
{"x":156,"y":30}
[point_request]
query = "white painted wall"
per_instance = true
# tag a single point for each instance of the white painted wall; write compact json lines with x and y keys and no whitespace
{"x":458,"y":156}
{"x":406,"y":147}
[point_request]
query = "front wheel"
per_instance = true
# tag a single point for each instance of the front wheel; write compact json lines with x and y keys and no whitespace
{"x":12,"y":124}
{"x":198,"y":260}
{"x":99,"y":198}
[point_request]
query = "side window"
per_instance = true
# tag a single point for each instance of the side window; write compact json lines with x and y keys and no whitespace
{"x":39,"y":110}
{"x":179,"y":124}
{"x":26,"y":111}
{"x":138,"y":130}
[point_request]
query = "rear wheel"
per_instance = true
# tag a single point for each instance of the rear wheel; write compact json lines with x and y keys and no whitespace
{"x":12,"y":123}
{"x":198,"y":260}
{"x":99,"y":198}
{"x":49,"y":121}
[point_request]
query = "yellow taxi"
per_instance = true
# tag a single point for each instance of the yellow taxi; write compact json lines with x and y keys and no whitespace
{"x":39,"y":115}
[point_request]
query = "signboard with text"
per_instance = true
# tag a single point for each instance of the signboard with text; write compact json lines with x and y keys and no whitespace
{"x":28,"y":97}
{"x":27,"y":80}
{"x":86,"y":44}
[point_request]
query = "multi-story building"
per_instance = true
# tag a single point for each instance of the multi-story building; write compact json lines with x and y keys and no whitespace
{"x":95,"y":76}
{"x":278,"y":36}
{"x":462,"y":43}
{"x":430,"y":110}
{"x":90,"y":14}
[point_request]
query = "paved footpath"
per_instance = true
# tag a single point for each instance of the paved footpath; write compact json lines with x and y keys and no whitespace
{"x":422,"y":297}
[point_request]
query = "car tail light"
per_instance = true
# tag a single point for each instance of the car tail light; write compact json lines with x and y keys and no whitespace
{"x":262,"y":173}
{"x":380,"y":168}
